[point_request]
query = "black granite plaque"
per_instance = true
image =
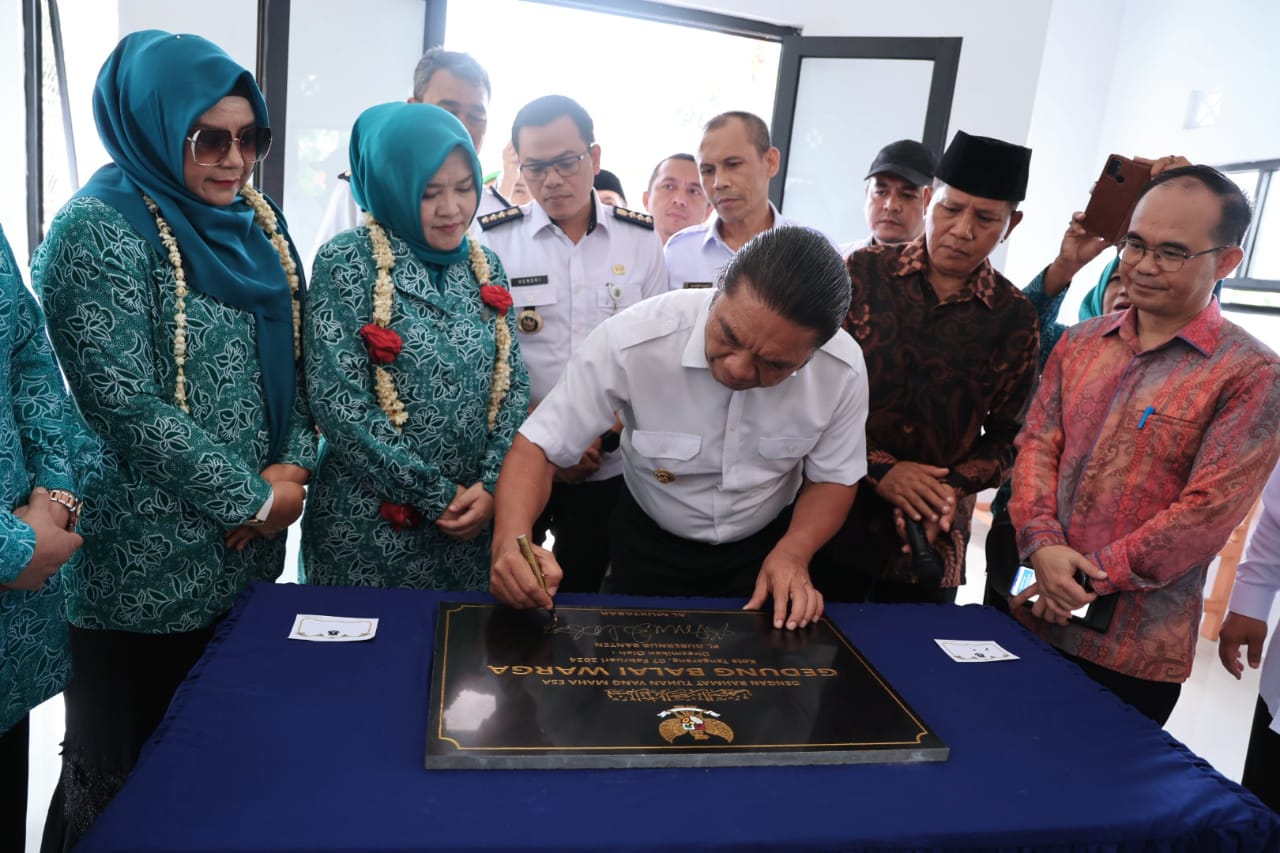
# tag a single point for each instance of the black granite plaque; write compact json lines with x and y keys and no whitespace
{"x":657,"y":688}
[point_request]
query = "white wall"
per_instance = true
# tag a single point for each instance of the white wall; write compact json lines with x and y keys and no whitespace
{"x":1124,"y":88}
{"x":1000,"y":56}
{"x":1075,"y":83}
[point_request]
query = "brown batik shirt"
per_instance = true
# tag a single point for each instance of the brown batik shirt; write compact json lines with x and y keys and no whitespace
{"x":949,"y":384}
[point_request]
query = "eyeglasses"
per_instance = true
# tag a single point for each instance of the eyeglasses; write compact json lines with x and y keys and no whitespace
{"x":1168,"y":260}
{"x":210,"y":146}
{"x":566,"y":167}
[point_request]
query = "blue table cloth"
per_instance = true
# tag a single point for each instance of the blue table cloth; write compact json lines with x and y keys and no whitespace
{"x":280,"y":745}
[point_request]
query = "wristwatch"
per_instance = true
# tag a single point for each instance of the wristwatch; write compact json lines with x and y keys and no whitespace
{"x":71,"y":502}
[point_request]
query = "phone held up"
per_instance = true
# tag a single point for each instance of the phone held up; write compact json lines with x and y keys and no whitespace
{"x":1114,"y":197}
{"x":1095,"y":615}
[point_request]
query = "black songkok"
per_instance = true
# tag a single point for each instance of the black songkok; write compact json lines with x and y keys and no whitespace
{"x":986,"y":167}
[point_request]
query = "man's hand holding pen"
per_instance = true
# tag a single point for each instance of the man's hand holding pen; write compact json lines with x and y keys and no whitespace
{"x":514,"y":582}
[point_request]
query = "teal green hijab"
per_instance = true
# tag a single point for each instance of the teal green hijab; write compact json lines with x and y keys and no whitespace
{"x":150,"y":92}
{"x":396,"y":149}
{"x":1092,"y":305}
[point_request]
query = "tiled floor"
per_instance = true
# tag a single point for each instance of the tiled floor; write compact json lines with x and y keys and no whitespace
{"x":1212,"y":716}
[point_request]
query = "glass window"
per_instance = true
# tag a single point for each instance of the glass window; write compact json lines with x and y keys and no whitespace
{"x":90,"y":30}
{"x":334,"y":75}
{"x":648,"y":86}
{"x":1265,"y":263}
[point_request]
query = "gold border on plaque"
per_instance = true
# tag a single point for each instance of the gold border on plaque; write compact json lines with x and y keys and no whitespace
{"x":736,"y":747}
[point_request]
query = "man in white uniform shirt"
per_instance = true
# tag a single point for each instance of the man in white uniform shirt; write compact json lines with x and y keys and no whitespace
{"x":458,"y":85}
{"x":1257,"y":581}
{"x":735,"y":161}
{"x":735,"y":404}
{"x":572,"y":262}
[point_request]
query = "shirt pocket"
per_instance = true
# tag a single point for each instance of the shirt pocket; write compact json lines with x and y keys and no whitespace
{"x":532,"y":295}
{"x":676,"y":452}
{"x":786,"y":447}
{"x":613,"y":296}
{"x":1169,"y":444}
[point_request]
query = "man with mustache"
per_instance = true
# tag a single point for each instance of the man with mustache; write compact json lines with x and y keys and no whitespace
{"x":735,"y":161}
{"x":951,"y":351}
{"x":899,"y":186}
{"x":573,"y":262}
{"x":742,"y":442}
{"x":675,"y":198}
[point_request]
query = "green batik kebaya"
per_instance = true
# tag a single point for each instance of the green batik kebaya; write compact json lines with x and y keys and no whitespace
{"x":39,"y":446}
{"x":177,"y":473}
{"x":172,"y":484}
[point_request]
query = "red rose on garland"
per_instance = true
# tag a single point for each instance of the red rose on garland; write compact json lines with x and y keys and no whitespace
{"x":383,"y":344}
{"x":400,"y":516}
{"x":497,"y":298}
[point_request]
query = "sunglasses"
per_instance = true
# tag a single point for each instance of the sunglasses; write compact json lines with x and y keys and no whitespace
{"x":210,"y":146}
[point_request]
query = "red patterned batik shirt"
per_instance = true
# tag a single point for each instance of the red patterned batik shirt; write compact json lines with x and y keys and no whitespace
{"x":1145,"y":462}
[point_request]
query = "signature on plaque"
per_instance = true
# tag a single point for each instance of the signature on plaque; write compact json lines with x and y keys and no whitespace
{"x":643,"y":632}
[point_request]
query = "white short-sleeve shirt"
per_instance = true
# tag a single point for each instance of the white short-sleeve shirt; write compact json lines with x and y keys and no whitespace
{"x":707,"y":463}
{"x":696,"y":255}
{"x":574,"y":287}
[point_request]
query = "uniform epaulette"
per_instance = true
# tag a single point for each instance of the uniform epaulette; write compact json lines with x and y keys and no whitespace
{"x":498,"y":217}
{"x":644,"y":220}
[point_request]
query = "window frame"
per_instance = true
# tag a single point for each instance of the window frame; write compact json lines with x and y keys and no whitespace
{"x":1267,"y":170}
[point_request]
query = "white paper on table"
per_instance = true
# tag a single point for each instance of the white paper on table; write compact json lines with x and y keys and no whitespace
{"x":975,"y":651}
{"x":332,"y":629}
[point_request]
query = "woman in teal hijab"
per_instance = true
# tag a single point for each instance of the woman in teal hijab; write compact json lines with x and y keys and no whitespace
{"x":412,"y":368}
{"x":1106,"y":296}
{"x":172,"y":291}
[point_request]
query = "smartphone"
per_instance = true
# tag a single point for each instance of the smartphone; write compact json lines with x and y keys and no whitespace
{"x":1114,"y":196}
{"x":1025,"y":577}
{"x":1096,"y":614}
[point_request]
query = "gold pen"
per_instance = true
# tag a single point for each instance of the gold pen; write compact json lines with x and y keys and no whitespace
{"x":529,"y":557}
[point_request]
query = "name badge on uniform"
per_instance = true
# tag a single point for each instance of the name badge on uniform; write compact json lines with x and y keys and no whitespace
{"x":696,"y":285}
{"x":529,"y":280}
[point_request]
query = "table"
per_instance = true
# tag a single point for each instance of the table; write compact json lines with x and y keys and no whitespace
{"x":281,"y":745}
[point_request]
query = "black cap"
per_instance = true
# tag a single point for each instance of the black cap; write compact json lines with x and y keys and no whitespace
{"x":908,"y":159}
{"x":606,"y":180}
{"x":986,"y":167}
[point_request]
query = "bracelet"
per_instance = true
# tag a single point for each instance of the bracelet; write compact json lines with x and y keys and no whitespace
{"x":71,"y":502}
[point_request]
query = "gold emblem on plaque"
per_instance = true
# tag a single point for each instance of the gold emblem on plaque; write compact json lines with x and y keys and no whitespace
{"x":698,"y":722}
{"x":529,"y":321}
{"x":663,"y":476}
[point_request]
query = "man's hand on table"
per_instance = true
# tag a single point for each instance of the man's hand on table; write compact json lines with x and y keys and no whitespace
{"x":784,"y":577}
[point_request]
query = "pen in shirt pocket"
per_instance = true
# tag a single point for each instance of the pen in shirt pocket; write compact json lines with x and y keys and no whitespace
{"x":1146,"y":413}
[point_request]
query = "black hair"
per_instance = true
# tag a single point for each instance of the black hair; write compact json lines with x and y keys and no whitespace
{"x":540,"y":112}
{"x":797,"y":274}
{"x":757,"y":130}
{"x":1237,"y":213}
{"x":681,"y":156}
{"x":460,"y":65}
